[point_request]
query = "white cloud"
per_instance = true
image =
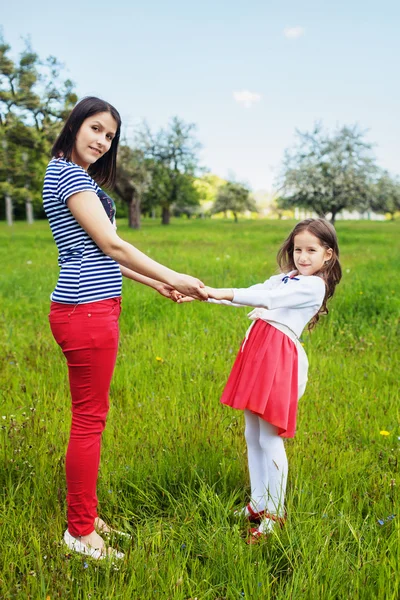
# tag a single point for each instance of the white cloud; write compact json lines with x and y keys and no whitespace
{"x":293,"y":33}
{"x":246,"y":98}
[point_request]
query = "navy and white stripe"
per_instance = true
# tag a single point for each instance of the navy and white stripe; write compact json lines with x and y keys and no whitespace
{"x":87,"y":274}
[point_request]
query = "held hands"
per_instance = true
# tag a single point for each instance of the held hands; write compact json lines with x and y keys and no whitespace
{"x":200,"y":291}
{"x":184,"y":286}
{"x":167,"y":291}
{"x":187,"y":285}
{"x":215,"y":293}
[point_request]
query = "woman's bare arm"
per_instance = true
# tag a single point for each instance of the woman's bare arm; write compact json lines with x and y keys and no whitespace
{"x":89,"y":213}
{"x":162,"y":288}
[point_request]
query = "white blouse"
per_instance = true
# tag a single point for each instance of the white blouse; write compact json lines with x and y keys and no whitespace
{"x":289,"y":299}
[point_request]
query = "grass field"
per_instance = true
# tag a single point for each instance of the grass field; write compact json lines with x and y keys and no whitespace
{"x":174,"y":460}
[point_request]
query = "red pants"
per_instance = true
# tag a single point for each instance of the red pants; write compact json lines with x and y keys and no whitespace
{"x":88,"y":336}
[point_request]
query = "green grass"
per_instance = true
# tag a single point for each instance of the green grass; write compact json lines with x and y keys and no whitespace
{"x":174,"y":460}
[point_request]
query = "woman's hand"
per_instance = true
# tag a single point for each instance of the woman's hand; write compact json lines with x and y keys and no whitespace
{"x":167,"y":291}
{"x":190,"y":286}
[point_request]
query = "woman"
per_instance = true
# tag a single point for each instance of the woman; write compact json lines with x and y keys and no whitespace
{"x":86,"y":301}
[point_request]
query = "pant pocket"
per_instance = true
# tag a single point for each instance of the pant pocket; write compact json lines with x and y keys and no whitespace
{"x":104,"y":331}
{"x":104,"y":308}
{"x":60,"y":331}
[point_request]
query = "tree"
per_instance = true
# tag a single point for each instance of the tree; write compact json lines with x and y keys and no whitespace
{"x":188,"y":198}
{"x":133,"y":179}
{"x":174,"y":155}
{"x":33,"y":103}
{"x":207,"y":188}
{"x":327,"y":173}
{"x":234,"y":197}
{"x":386,"y":195}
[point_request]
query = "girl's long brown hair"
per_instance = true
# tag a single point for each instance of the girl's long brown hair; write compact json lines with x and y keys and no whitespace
{"x":331,"y":271}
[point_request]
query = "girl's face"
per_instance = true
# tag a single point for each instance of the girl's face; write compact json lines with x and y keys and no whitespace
{"x":93,"y":139}
{"x":309,"y":254}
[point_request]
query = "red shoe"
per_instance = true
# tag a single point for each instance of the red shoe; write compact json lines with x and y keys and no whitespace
{"x":252,"y":516}
{"x":280,"y":520}
{"x":257,"y":536}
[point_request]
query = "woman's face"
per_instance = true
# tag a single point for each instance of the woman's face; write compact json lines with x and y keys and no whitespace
{"x":94,"y":139}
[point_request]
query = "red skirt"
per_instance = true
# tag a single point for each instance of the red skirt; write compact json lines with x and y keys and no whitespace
{"x":264,"y":378}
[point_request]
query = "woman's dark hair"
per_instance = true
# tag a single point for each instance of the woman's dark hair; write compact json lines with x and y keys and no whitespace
{"x":104,"y":169}
{"x":331,"y":271}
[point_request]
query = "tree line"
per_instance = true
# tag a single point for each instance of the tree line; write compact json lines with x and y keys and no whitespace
{"x":159,"y":172}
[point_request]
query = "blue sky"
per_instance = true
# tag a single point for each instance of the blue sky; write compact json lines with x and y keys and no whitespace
{"x":247,"y":73}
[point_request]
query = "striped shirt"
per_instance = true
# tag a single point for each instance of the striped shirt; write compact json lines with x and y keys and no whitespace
{"x":86,"y":274}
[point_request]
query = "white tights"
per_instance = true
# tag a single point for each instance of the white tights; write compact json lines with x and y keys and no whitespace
{"x":268,"y":465}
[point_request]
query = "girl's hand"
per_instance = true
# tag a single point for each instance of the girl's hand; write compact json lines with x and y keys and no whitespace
{"x":181,"y":298}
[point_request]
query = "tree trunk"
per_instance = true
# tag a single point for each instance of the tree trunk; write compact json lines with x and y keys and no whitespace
{"x":166,"y":209}
{"x":9,"y":209}
{"x":236,"y":217}
{"x":134,"y":212}
{"x":166,"y":215}
{"x":29,"y":212}
{"x":334,"y":213}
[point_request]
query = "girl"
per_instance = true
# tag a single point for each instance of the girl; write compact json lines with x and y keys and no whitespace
{"x":270,"y":372}
{"x":86,"y":301}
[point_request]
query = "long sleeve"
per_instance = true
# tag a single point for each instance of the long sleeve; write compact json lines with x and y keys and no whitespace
{"x":268,"y":284}
{"x":224,"y":302}
{"x":300,"y":292}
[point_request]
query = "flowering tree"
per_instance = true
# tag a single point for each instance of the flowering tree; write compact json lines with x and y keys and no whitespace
{"x":386,"y":195}
{"x":328,"y":173}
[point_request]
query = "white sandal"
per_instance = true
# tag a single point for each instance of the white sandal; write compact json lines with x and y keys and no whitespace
{"x":111,"y":531}
{"x":116,"y":532}
{"x":76,"y":545}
